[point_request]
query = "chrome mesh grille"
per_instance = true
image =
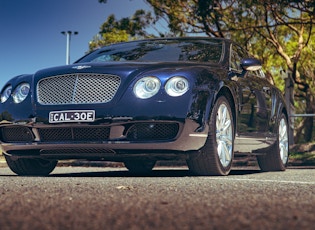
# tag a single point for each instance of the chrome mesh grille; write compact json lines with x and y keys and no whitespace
{"x":74,"y":134}
{"x":16,"y":134}
{"x":152,"y":131}
{"x":82,"y":88}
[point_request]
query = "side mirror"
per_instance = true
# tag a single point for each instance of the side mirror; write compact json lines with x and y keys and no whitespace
{"x":251,"y":64}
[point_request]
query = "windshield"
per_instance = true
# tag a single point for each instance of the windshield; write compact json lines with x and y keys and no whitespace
{"x":172,"y":50}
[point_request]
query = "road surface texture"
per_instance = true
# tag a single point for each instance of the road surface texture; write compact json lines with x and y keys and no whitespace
{"x":168,"y":198}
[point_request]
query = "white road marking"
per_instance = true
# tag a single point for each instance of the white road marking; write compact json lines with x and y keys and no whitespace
{"x":256,"y":180}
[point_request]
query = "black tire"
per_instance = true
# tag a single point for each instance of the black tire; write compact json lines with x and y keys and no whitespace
{"x":139,"y":166}
{"x":31,"y":167}
{"x":277,"y":157}
{"x":216,"y":157}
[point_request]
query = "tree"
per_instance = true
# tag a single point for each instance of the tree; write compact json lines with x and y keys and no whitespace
{"x":113,"y":30}
{"x":279,"y":33}
{"x":111,"y":37}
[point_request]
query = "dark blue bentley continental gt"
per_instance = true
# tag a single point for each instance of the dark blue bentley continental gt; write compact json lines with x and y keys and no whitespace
{"x":196,"y":99}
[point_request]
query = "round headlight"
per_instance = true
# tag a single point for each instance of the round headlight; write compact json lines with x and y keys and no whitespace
{"x":21,"y":92}
{"x":147,"y":87}
{"x":6,"y":93}
{"x":176,"y":86}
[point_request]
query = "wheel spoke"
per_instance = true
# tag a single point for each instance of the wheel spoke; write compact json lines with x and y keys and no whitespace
{"x":227,"y":140}
{"x":219,"y":149}
{"x":224,"y":116}
{"x":227,"y":125}
{"x":224,"y":153}
{"x":227,"y":154}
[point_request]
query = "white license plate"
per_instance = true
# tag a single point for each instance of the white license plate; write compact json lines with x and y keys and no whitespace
{"x":72,"y":116}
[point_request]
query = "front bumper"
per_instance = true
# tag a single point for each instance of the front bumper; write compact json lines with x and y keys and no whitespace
{"x":111,"y":140}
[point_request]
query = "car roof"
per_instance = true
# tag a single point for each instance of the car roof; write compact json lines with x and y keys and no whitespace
{"x":169,"y":39}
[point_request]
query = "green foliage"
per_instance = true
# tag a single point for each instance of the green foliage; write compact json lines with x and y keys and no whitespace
{"x":113,"y":30}
{"x":301,"y":155}
{"x":280,"y":33}
{"x":114,"y":36}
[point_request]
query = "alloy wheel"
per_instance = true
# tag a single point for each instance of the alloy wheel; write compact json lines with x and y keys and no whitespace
{"x":224,"y":135}
{"x":283,"y":141}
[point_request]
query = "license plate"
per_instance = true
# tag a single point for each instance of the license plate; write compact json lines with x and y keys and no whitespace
{"x":72,"y":116}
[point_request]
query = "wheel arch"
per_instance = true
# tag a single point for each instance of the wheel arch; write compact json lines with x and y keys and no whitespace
{"x":282,"y":109}
{"x":225,"y":91}
{"x":285,"y":112}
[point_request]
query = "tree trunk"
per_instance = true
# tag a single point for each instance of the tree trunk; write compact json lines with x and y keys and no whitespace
{"x":309,"y":121}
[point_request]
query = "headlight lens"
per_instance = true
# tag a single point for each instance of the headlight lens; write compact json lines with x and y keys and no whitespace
{"x":147,"y":87}
{"x":176,"y":86}
{"x":6,"y":93}
{"x":21,"y":92}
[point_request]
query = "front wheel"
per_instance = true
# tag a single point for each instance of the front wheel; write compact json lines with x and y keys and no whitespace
{"x":31,"y":167}
{"x":215,"y":158}
{"x":277,"y":158}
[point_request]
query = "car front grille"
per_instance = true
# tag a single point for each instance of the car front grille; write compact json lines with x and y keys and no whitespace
{"x":74,"y":134}
{"x":138,"y":132}
{"x":16,"y":134}
{"x":152,"y":131}
{"x":78,"y":151}
{"x":80,"y":88}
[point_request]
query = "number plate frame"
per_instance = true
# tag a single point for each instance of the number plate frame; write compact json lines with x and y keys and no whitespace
{"x":71,"y":116}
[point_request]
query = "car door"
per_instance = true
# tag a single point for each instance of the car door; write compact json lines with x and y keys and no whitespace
{"x":257,"y":107}
{"x":254,"y":106}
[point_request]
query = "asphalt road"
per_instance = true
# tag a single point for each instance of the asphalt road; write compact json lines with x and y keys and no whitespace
{"x":169,"y":198}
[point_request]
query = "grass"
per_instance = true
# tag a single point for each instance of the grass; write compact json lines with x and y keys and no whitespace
{"x":306,"y":158}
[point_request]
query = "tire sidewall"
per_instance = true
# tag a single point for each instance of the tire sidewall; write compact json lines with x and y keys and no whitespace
{"x":278,"y":140}
{"x":212,"y":128}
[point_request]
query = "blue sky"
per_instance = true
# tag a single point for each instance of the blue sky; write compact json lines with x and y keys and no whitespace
{"x":30,"y":31}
